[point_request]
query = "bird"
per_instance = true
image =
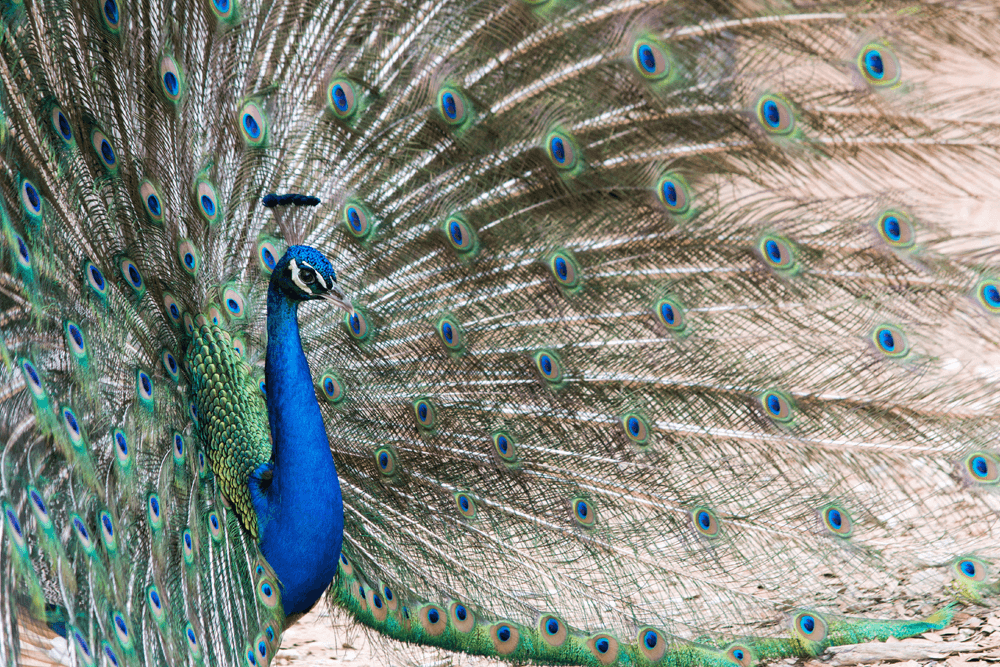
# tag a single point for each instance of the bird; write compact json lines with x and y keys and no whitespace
{"x":579,"y":332}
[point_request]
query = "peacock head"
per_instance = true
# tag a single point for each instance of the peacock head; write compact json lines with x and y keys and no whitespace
{"x":304,"y":274}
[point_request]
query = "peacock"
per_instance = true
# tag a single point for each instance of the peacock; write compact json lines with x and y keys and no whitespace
{"x":578,"y":332}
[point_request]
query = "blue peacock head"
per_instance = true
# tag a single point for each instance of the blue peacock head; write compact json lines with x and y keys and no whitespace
{"x":304,"y":274}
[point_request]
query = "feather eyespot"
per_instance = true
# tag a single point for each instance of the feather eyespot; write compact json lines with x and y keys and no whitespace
{"x":674,"y":193}
{"x":552,"y":630}
{"x":110,"y":14}
{"x":505,"y":447}
{"x":33,"y":379}
{"x":809,"y":626}
{"x":777,"y":253}
{"x":896,"y":229}
{"x":565,"y":270}
{"x":38,"y":507}
{"x":155,"y":603}
{"x":268,"y":255}
{"x":505,"y":637}
{"x":215,"y":526}
{"x":376,"y":605}
{"x":561,"y":150}
{"x":357,"y":325}
{"x":234,"y":303}
{"x":107,"y":531}
{"x":84,"y":646}
{"x":425,"y":413}
{"x":583,"y":512}
{"x":890,"y":341}
{"x":705,"y":522}
{"x":389,"y":596}
{"x":549,"y":367}
{"x":105,"y":152}
{"x":988,"y":294}
{"x":188,"y":256}
{"x":110,"y":654}
{"x":357,"y":220}
{"x":179,"y":448}
{"x":144,"y":386}
{"x":262,"y":650}
{"x":130,"y":272}
{"x":740,"y":655}
{"x":775,"y":115}
{"x":879,"y":66}
{"x":214,"y":315}
{"x":466,"y":505}
{"x":187,"y":543}
{"x":333,"y":388}
{"x":154,"y":513}
{"x":223,"y":9}
{"x":433,"y":620}
{"x":385,"y":459}
{"x":170,"y":365}
{"x":61,"y":125}
{"x":604,"y":647}
{"x":462,"y":618}
{"x":207,"y":201}
{"x":636,"y":428}
{"x":72,"y":427}
{"x":651,"y":643}
{"x":14,"y":526}
{"x":650,"y":59}
{"x":31,"y":201}
{"x":152,"y":202}
{"x":22,"y":254}
{"x":192,"y":640}
{"x":170,"y":79}
{"x":971,"y":569}
{"x":776,"y":406}
{"x":983,"y":468}
{"x":837,"y":521}
{"x":452,"y":106}
{"x":450,"y":333}
{"x":343,"y":98}
{"x":121,"y":630}
{"x":121,"y":448}
{"x":461,"y":235}
{"x":95,"y":279}
{"x":670,"y":314}
{"x":253,"y":124}
{"x":172,"y":307}
{"x":267,"y":592}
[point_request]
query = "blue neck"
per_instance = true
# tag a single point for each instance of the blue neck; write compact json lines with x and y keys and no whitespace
{"x":301,"y":513}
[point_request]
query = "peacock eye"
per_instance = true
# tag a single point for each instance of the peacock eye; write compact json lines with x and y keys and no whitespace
{"x":307,"y":275}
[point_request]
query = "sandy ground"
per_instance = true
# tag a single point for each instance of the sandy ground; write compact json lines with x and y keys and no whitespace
{"x":324,"y":638}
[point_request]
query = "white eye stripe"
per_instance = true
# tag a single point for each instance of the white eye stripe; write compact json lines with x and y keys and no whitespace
{"x":319,"y":276}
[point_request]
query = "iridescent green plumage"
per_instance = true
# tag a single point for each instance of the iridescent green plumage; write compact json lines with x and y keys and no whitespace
{"x":231,"y":418}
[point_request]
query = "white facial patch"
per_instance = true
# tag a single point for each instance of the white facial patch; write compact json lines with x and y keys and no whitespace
{"x":298,"y":280}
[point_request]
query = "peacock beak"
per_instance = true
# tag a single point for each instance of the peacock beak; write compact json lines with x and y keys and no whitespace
{"x":336,"y":296}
